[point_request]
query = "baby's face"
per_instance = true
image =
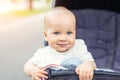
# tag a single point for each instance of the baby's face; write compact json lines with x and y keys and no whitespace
{"x":61,"y":35}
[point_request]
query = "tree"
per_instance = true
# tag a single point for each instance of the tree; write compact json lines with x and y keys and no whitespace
{"x":30,"y":4}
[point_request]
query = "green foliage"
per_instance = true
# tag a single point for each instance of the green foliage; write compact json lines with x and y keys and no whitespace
{"x":48,"y":1}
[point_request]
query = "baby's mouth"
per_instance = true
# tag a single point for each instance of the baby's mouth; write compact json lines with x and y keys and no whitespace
{"x":62,"y":45}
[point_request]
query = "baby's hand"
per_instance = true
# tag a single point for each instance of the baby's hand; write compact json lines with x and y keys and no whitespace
{"x":39,"y":73}
{"x":85,"y":71}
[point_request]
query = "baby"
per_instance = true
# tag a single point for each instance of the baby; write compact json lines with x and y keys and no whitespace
{"x":63,"y":49}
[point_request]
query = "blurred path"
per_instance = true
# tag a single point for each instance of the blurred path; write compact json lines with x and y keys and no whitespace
{"x":8,"y":19}
{"x":19,"y":39}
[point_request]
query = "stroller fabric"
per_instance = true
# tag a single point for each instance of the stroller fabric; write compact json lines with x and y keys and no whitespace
{"x":101,"y":31}
{"x":71,"y":75}
{"x":116,"y":61}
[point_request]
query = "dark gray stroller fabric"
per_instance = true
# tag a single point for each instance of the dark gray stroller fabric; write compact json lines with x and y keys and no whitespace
{"x":99,"y":30}
{"x":116,"y":61}
{"x":71,"y":75}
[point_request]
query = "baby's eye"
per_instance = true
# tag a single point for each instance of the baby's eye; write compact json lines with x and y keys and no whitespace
{"x":69,"y":33}
{"x":56,"y":33}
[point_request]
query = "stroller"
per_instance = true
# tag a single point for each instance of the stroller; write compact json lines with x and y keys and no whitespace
{"x":98,"y":24}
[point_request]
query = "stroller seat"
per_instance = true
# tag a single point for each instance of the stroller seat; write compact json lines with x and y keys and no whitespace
{"x":98,"y":29}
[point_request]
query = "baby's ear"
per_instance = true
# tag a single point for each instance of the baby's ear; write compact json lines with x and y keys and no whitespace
{"x":45,"y":36}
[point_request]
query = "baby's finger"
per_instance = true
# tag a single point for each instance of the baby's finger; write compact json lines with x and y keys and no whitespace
{"x":88,"y":76}
{"x":84,"y":75}
{"x":43,"y":72}
{"x":91,"y":75}
{"x":42,"y":76}
{"x":81,"y":75}
{"x":77,"y":71}
{"x":36,"y":78}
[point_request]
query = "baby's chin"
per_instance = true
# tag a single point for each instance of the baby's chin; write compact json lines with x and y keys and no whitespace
{"x":62,"y":51}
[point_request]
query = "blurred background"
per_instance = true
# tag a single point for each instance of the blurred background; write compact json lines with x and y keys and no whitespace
{"x":21,"y":27}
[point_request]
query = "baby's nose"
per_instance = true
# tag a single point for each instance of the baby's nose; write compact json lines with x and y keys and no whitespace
{"x":63,"y":37}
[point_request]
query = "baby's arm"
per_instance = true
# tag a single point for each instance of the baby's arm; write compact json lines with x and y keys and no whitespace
{"x":36,"y":73}
{"x":86,"y":70}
